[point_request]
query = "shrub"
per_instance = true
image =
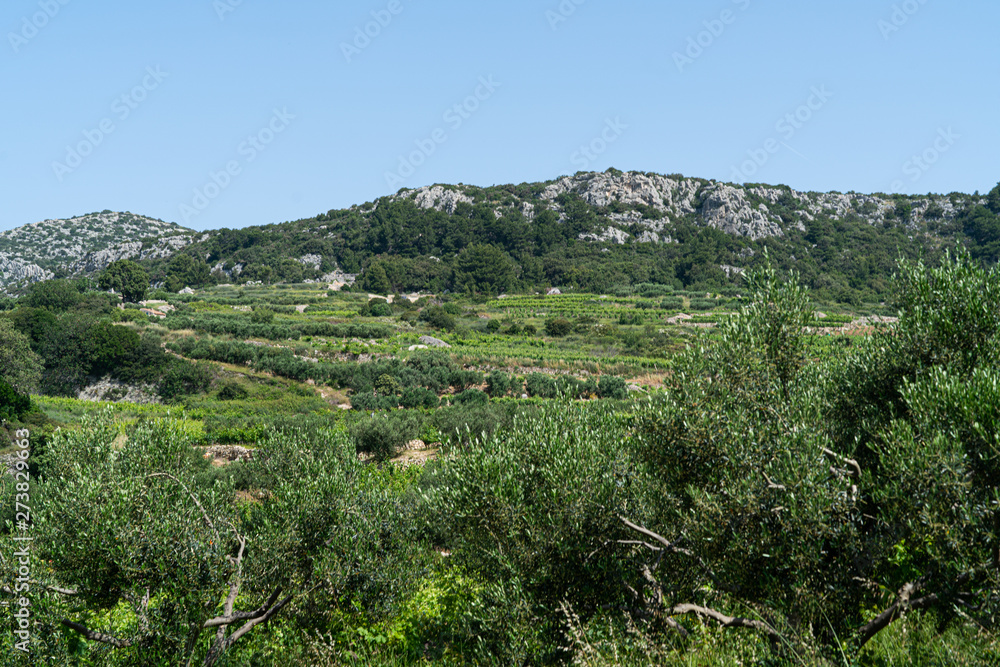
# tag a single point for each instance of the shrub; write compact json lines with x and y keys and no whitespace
{"x":499,"y":384}
{"x":184,"y":378}
{"x":262,"y":316}
{"x":471,"y":397}
{"x":541,"y":385}
{"x":558,"y":327}
{"x":437,"y":317}
{"x":366,"y":401}
{"x":561,"y":515}
{"x":232,"y":391}
{"x":462,"y":380}
{"x":461,"y":423}
{"x":376,"y":308}
{"x":384,"y":436}
{"x":387,"y":385}
{"x":610,"y":386}
{"x":703,"y":304}
{"x":418,"y":397}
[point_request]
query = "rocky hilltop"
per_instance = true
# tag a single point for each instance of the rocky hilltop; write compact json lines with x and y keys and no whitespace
{"x":752,"y":211}
{"x":83,"y":245}
{"x":610,"y":211}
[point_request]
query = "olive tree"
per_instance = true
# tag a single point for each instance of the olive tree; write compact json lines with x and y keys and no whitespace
{"x":793,"y":497}
{"x":161,"y":564}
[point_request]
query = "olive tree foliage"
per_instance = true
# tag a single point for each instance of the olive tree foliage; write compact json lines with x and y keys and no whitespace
{"x":158,"y":566}
{"x":530,"y":509}
{"x":794,"y":500}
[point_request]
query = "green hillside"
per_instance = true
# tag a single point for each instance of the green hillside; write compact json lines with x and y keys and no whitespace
{"x":598,"y":233}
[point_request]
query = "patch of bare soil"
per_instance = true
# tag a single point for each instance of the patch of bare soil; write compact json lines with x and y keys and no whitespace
{"x":223,"y":455}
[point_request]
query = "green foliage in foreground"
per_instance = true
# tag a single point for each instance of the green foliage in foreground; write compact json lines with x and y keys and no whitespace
{"x":767,"y":508}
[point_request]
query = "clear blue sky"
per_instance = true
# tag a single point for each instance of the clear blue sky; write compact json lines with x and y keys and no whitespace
{"x":329,"y":125}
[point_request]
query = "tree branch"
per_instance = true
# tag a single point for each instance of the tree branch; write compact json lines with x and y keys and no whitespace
{"x":726,"y":621}
{"x":668,"y":546}
{"x":772,"y":485}
{"x":856,"y":467}
{"x":96,"y":636}
{"x":898,"y":608}
{"x":221,"y":645}
{"x":242,"y":615}
{"x":671,"y":547}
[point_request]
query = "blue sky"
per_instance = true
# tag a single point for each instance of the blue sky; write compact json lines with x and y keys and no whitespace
{"x":228,"y":113}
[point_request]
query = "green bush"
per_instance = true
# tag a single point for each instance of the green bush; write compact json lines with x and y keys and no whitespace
{"x":610,"y":386}
{"x":558,"y":327}
{"x":551,"y":485}
{"x":262,"y":316}
{"x":183,"y":378}
{"x":703,"y":304}
{"x":418,"y":397}
{"x":376,"y":308}
{"x":232,"y":391}
{"x":541,"y":385}
{"x":386,"y":435}
{"x":471,"y":397}
{"x":437,"y":317}
{"x":462,"y":379}
{"x":500,"y":384}
{"x":461,"y":423}
{"x":368,"y":401}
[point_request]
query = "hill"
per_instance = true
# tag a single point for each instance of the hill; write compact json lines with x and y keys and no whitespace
{"x":84,"y":244}
{"x":596,"y":232}
{"x":599,"y":232}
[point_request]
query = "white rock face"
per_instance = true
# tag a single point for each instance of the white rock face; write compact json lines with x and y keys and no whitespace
{"x":660,"y":192}
{"x":15,"y":270}
{"x":312,"y":261}
{"x":727,"y":209}
{"x":439,"y":198}
{"x":609,"y":235}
